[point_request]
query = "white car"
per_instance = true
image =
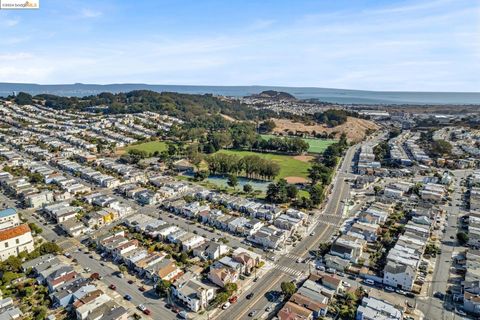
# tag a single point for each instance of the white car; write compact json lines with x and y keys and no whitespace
{"x":226,"y":305}
{"x":346,"y":284}
{"x":461,"y":312}
{"x":141,"y":307}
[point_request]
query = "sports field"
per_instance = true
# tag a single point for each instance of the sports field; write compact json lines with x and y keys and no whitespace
{"x":290,"y":167}
{"x":149,"y":147}
{"x":316,"y":145}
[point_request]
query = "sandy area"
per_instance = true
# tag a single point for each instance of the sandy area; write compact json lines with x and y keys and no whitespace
{"x":303,"y":158}
{"x":296,"y":180}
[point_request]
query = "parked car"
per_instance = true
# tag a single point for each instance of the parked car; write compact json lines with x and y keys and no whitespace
{"x":369,"y":282}
{"x":233,"y":299}
{"x":390,"y":289}
{"x":112,"y":287}
{"x":127,"y":297}
{"x":252,"y":313}
{"x":142,"y":289}
{"x":130,"y":281}
{"x":400,"y":292}
{"x":439,"y":295}
{"x":226,"y":305}
{"x":183,"y":314}
{"x":331,"y":270}
{"x":147,"y":312}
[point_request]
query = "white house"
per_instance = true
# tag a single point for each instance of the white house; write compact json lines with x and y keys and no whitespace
{"x":15,"y":240}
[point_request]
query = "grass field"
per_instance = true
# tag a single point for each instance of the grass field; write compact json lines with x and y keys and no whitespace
{"x":149,"y":147}
{"x":316,"y":145}
{"x":289,"y":167}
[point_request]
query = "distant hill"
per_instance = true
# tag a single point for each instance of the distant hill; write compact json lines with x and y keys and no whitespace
{"x":278,"y":95}
{"x":341,"y":96}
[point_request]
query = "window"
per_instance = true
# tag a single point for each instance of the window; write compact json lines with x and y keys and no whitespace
{"x":6,"y":244}
{"x":17,"y":241}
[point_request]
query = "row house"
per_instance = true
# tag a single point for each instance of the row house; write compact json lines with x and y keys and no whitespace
{"x":61,"y":212}
{"x":269,"y":237}
{"x":210,"y":250}
{"x":194,"y":293}
{"x":348,"y":247}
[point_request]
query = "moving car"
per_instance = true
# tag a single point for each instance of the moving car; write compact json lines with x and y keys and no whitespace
{"x":141,"y":307}
{"x":252,"y":313}
{"x":127,"y":297}
{"x":250,"y":295}
{"x":112,"y":287}
{"x":147,"y":312}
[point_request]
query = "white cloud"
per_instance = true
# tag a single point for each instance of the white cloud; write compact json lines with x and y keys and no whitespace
{"x":10,"y":22}
{"x":89,"y":13}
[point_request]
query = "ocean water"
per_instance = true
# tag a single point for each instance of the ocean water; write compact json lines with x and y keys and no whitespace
{"x":340,"y":96}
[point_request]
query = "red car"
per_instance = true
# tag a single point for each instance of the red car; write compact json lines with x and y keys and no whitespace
{"x":175,"y":310}
{"x":233,"y":299}
{"x":142,"y":289}
{"x":146,"y":311}
{"x":112,"y":286}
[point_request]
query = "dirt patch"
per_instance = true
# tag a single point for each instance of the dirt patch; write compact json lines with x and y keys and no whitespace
{"x":354,"y":128}
{"x":304,"y":158}
{"x":296,"y":180}
{"x":228,"y":118}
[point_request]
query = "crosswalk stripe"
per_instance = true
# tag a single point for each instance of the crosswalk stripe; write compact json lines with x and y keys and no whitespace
{"x":288,"y":270}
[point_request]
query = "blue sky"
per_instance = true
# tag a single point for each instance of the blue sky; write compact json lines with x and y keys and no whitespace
{"x":373,"y":45}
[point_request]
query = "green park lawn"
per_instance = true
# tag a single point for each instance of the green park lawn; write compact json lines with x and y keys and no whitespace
{"x":149,"y":147}
{"x":289,"y":166}
{"x":316,"y":145}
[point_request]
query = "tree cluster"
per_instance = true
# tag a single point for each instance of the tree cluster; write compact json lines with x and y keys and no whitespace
{"x":333,"y":117}
{"x":252,"y":166}
{"x":294,"y":145}
{"x":281,"y":192}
